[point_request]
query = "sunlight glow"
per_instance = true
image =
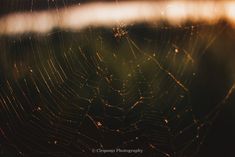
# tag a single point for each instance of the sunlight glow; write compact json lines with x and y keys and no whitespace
{"x":107,"y":14}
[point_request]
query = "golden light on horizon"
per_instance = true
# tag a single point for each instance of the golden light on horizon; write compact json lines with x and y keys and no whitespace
{"x":108,"y":14}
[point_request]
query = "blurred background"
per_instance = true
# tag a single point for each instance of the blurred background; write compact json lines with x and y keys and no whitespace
{"x":165,"y":89}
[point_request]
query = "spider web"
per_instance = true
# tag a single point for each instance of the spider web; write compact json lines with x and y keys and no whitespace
{"x":67,"y":93}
